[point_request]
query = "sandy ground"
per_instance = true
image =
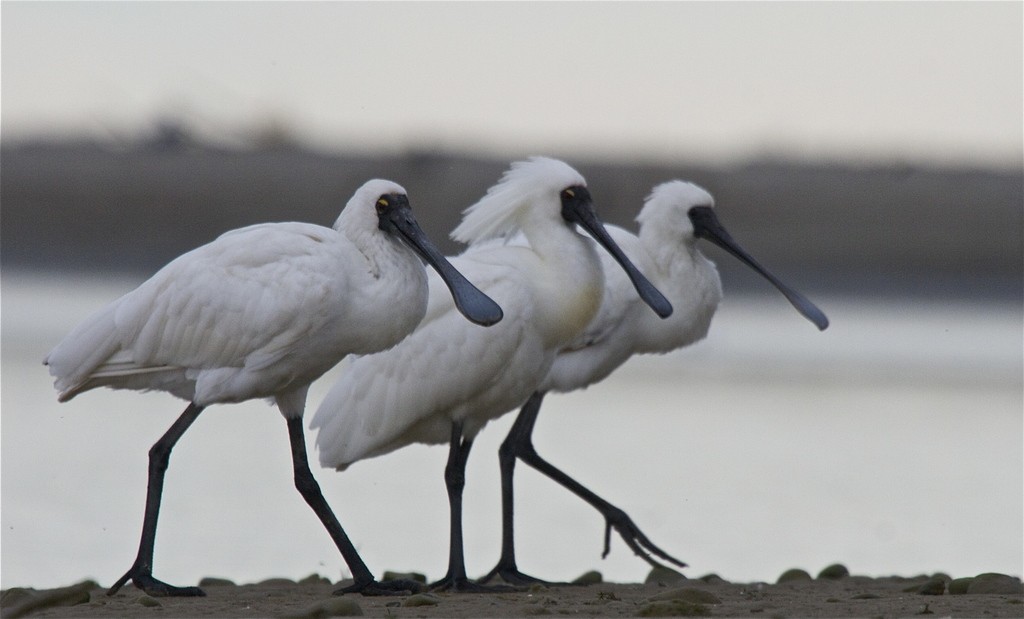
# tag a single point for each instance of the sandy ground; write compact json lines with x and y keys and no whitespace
{"x":842,"y":597}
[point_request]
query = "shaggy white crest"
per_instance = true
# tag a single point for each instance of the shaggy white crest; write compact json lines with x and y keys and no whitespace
{"x":666,"y":250}
{"x":499,"y":213}
{"x":262,"y":312}
{"x":673,"y":195}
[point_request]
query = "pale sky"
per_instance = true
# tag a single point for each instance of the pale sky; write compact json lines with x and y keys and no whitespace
{"x":928,"y":82}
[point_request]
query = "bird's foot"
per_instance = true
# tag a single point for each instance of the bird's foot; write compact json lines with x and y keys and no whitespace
{"x":143,"y":579}
{"x":401,"y":586}
{"x":465,"y":585}
{"x":634,"y":538}
{"x":511,"y":575}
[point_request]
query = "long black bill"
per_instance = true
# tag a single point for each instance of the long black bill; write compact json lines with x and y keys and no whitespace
{"x":707,"y":226}
{"x":578,"y":207}
{"x":474,"y":304}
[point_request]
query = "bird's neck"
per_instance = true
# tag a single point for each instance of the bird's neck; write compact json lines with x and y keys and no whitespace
{"x":694,"y":288}
{"x":570,"y":285}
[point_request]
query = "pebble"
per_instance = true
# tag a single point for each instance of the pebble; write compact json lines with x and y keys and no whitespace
{"x":393,"y":575}
{"x":958,"y":586}
{"x":688,"y":594}
{"x":592,"y":577}
{"x":344,"y":583}
{"x":314,"y":579}
{"x":664,"y":576}
{"x":673,"y":608}
{"x":934,"y":586}
{"x":210,"y":581}
{"x":834,"y":572}
{"x":794,"y":575}
{"x":27,"y":601}
{"x":276,"y":582}
{"x":990,"y":582}
{"x":148,"y":601}
{"x":15,"y":595}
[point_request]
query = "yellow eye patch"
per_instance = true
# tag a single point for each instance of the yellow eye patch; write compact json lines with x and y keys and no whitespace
{"x":382,"y":202}
{"x":570,"y":193}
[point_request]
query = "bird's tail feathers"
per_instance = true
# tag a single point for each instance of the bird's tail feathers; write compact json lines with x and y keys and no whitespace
{"x":77,"y":356}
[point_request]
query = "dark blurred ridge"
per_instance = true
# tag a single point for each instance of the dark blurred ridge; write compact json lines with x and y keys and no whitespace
{"x":72,"y":207}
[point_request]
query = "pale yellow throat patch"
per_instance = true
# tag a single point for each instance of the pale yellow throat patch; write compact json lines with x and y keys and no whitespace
{"x":577,"y":311}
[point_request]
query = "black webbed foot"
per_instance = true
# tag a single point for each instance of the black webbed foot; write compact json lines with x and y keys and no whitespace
{"x":143,"y":579}
{"x":384,"y":587}
{"x":512,"y":576}
{"x":465,"y":585}
{"x":634,"y":538}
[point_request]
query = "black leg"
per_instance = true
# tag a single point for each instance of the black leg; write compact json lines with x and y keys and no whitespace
{"x":310,"y":491}
{"x":141,"y":572}
{"x":455,"y":481}
{"x":520,"y":433}
{"x":520,"y":445}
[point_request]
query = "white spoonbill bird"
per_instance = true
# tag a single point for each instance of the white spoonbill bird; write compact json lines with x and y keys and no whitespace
{"x":261,"y":312}
{"x":447,"y":380}
{"x":673,"y":218}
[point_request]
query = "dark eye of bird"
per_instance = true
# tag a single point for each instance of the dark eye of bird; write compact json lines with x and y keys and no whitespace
{"x":382,"y":203}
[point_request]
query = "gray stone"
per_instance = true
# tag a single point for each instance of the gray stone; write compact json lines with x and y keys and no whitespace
{"x":995,"y":583}
{"x":592,"y":577}
{"x":393,"y":575}
{"x":664,"y":576}
{"x":276,"y":582}
{"x":29,"y":601}
{"x":958,"y":586}
{"x":210,"y":581}
{"x":794,"y":575}
{"x":834,"y":572}
{"x":934,"y":586}
{"x":15,"y":595}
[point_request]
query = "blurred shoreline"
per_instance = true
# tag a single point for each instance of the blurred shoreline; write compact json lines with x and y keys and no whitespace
{"x":880,"y":230}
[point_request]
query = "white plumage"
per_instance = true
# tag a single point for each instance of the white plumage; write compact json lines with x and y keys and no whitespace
{"x":550,"y":289}
{"x":665,"y":249}
{"x":261,"y":312}
{"x":449,"y":372}
{"x":673,"y":218}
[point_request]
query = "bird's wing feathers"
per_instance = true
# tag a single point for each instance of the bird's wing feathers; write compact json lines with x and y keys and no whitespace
{"x":225,"y":301}
{"x":230,"y":303}
{"x":390,"y":399}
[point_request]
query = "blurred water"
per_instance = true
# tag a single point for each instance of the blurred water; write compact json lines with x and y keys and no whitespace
{"x":891,"y":442}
